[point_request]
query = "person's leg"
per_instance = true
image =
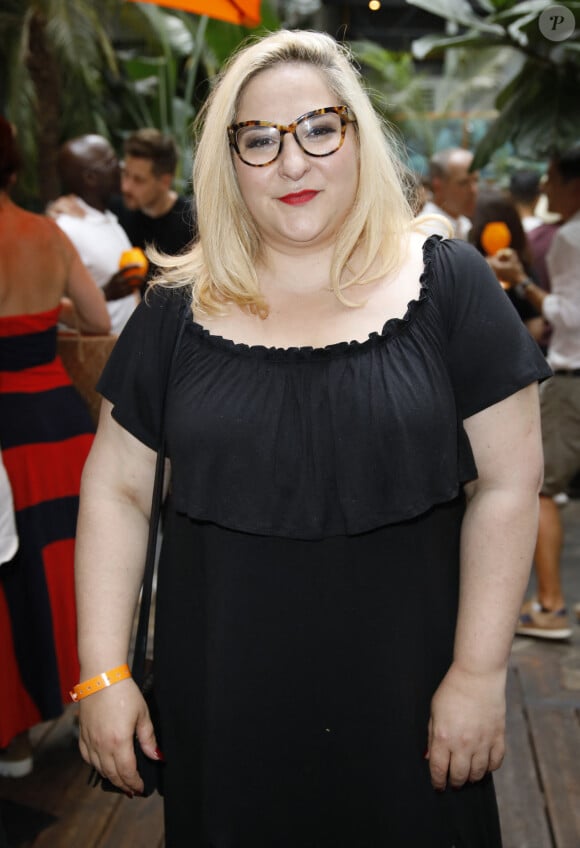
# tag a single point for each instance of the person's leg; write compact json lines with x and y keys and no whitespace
{"x":547,"y":555}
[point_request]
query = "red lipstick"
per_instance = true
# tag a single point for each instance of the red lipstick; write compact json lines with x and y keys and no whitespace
{"x":298,"y":197}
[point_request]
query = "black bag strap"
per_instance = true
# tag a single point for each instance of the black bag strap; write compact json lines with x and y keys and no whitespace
{"x":140,"y":651}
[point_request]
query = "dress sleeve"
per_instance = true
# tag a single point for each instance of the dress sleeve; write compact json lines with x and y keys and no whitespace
{"x":491,"y":354}
{"x":134,"y":377}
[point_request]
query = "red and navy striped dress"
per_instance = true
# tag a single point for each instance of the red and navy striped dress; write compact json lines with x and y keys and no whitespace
{"x":46,"y":433}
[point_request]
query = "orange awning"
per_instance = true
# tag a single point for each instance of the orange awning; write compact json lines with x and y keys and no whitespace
{"x":245,"y":12}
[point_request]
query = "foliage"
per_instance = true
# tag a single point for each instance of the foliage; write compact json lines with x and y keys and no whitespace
{"x":69,"y":67}
{"x":395,"y":89}
{"x":538,"y":105}
{"x":390,"y":78}
{"x":166,"y":71}
{"x":52,"y":54}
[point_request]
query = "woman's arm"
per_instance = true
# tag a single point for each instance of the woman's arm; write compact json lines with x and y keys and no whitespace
{"x":466,"y":729}
{"x":90,"y":309}
{"x":111,"y":545}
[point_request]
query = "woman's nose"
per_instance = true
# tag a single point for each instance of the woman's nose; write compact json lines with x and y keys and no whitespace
{"x":293,"y":162}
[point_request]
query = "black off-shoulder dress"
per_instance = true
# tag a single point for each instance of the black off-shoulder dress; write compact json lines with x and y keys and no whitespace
{"x":308,"y":582}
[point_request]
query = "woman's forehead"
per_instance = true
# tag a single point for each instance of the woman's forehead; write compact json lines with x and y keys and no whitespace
{"x":283,"y":93}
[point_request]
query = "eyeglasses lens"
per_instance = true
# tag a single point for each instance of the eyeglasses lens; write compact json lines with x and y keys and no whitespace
{"x":317,"y":135}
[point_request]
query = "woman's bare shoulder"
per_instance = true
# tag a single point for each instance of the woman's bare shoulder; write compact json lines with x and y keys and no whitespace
{"x":416,"y":241}
{"x":49,"y":233}
{"x":31,"y":226}
{"x":414,"y":254}
{"x":35,"y":258}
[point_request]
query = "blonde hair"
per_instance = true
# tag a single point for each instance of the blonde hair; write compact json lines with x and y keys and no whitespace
{"x":221,"y":266}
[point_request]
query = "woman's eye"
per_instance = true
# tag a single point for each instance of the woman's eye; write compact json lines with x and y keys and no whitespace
{"x":258,"y":141}
{"x":320,"y":131}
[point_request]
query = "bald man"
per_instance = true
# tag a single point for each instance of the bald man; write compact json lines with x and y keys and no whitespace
{"x":454,"y":189}
{"x":89,"y":171}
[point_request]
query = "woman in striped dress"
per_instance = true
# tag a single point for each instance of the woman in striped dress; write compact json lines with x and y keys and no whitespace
{"x":45,"y":433}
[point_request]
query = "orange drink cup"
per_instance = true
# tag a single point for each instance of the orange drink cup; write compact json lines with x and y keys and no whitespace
{"x":136,"y":263}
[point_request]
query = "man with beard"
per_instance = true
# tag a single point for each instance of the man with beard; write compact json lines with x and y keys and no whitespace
{"x":152,"y":212}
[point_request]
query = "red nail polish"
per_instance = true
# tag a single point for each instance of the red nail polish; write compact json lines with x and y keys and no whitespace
{"x":129,"y":794}
{"x":159,"y":755}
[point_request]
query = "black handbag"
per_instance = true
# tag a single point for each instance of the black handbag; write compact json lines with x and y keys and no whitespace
{"x":151,"y":771}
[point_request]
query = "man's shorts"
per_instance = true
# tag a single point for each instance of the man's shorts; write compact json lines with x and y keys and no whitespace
{"x":560,"y":410}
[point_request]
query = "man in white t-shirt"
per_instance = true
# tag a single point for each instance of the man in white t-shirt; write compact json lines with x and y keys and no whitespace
{"x":454,"y":190}
{"x":89,"y":169}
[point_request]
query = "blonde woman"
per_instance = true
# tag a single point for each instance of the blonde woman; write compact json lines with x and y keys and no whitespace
{"x":352,"y":431}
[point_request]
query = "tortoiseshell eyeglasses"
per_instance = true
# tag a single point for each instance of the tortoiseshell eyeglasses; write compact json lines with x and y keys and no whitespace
{"x":319,"y":133}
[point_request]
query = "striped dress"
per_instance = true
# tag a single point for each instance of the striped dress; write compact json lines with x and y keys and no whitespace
{"x":45,"y":433}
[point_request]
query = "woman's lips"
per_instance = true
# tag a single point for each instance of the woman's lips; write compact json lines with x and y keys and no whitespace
{"x":298,"y":198}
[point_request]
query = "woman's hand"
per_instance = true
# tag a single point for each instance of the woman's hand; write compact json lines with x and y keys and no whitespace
{"x":109,"y":721}
{"x":467,"y":727}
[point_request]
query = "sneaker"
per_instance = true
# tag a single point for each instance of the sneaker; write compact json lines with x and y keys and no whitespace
{"x":16,"y":760}
{"x":536,"y":621}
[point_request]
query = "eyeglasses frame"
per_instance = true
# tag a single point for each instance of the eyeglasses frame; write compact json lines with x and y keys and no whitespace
{"x":342,"y":111}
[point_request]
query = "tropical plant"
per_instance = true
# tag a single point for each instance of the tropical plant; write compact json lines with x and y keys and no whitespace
{"x":165,"y":74}
{"x":397,"y":92}
{"x":52,"y":61}
{"x":390,"y":78}
{"x":538,"y":103}
{"x":69,"y":67}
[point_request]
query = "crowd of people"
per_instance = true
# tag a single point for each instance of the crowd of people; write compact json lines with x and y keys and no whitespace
{"x":539,"y":270}
{"x":349,"y":397}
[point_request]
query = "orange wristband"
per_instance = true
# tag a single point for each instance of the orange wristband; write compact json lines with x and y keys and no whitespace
{"x":101,"y":681}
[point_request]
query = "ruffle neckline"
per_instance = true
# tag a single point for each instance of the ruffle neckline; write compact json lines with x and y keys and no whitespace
{"x":393,"y":327}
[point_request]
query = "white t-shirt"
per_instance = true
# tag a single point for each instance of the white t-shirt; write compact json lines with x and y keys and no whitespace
{"x":100,"y":241}
{"x":562,"y":306}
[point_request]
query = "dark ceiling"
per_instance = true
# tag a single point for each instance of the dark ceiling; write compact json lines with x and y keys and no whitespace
{"x":394,"y":25}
